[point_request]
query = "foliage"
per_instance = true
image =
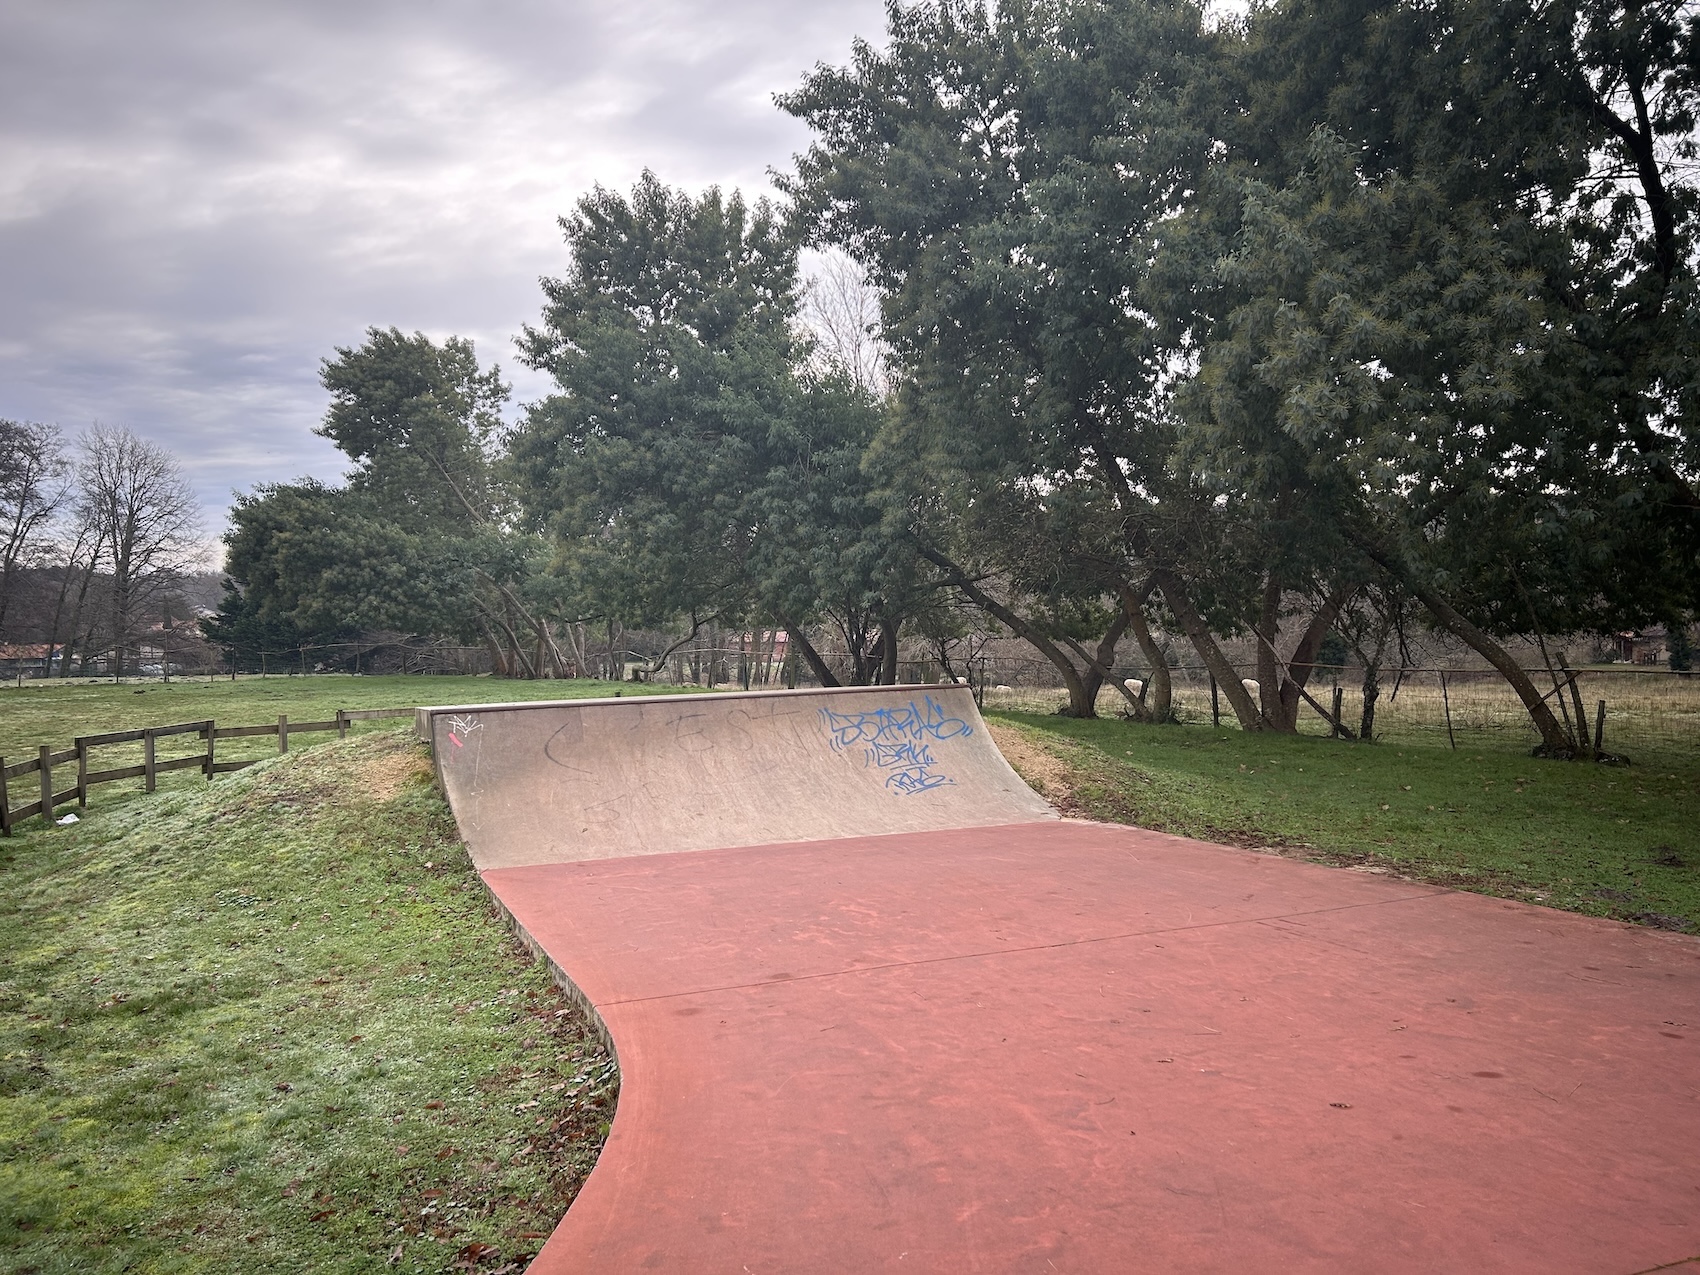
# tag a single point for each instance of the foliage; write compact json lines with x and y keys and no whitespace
{"x":421,"y":540}
{"x":1332,"y":294}
{"x":688,"y":461}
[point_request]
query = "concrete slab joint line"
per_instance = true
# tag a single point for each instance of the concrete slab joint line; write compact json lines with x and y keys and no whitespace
{"x":1183,"y":1057}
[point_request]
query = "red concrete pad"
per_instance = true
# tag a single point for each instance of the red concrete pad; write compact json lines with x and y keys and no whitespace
{"x":1081,"y":1048}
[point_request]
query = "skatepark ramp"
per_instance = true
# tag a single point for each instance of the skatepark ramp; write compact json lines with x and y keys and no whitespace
{"x":573,"y":780}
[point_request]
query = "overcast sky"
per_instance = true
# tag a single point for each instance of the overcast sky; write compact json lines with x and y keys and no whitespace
{"x":198,"y":201}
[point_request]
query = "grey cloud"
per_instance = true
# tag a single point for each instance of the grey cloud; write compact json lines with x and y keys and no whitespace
{"x":198,"y":201}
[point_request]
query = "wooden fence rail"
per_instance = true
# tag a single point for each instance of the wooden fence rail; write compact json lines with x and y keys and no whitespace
{"x":43,"y":764}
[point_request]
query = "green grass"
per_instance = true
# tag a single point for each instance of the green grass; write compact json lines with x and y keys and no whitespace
{"x":1621,"y":842}
{"x":273,"y":1023}
{"x":55,"y":713}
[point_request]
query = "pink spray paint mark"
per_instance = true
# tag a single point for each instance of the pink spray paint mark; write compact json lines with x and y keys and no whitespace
{"x":456,"y":739}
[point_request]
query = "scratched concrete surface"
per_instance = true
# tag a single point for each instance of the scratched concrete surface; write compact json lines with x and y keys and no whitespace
{"x":593,"y":779}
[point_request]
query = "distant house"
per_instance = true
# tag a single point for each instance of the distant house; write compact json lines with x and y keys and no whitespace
{"x":1642,"y":646}
{"x":27,"y":661}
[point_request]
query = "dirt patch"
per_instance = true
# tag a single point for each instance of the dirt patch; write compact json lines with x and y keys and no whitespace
{"x":1045,"y":773}
{"x":383,"y":777}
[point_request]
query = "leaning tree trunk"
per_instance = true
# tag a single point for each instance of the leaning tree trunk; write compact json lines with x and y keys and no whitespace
{"x":1556,"y":741}
{"x":1160,"y":687}
{"x":1303,"y":662}
{"x":798,"y":641}
{"x":1198,"y":633}
{"x":1100,"y":668}
{"x":1079,"y":703}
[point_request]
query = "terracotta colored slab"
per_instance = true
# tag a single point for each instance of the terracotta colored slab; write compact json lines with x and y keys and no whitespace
{"x":594,"y":779}
{"x":1077,"y":1048}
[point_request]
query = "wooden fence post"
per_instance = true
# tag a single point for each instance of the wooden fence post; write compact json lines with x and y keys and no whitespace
{"x":1600,"y":729}
{"x":5,"y":803}
{"x":283,"y":732}
{"x":82,"y":774}
{"x":1447,"y":703}
{"x":46,"y":784}
{"x":1215,"y":705}
{"x":342,"y":723}
{"x":212,"y":737}
{"x":147,"y":761}
{"x":1339,"y":694}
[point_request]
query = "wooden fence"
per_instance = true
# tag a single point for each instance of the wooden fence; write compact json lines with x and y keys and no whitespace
{"x":47,"y":760}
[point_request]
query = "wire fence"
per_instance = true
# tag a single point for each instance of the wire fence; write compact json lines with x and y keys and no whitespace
{"x":1645,"y":710}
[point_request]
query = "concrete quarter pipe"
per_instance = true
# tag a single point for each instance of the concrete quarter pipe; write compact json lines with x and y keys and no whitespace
{"x":597,"y":779}
{"x":877,"y":1009}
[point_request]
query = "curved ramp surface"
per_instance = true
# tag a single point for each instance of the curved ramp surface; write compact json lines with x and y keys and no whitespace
{"x":594,"y":779}
{"x":1033,"y":1045}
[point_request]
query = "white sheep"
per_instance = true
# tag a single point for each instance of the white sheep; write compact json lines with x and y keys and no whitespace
{"x":1251,"y":687}
{"x":1135,"y":687}
{"x":1001,"y":687}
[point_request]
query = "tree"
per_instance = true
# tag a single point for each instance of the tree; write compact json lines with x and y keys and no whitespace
{"x":144,"y":514}
{"x":841,"y":309}
{"x":1438,"y":287}
{"x":32,"y":473}
{"x":422,"y":539}
{"x":1002,"y":176}
{"x":689,"y":462}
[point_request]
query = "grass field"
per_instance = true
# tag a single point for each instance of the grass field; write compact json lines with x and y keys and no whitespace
{"x":273,"y":1023}
{"x":1611,"y":841}
{"x":1649,"y":711}
{"x":55,"y":713}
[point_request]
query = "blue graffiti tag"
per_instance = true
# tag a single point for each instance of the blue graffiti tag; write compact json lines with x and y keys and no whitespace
{"x":896,"y":740}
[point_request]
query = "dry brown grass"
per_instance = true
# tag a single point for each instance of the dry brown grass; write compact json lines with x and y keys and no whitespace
{"x":1044,"y":772}
{"x":1645,"y":711}
{"x":386,"y":775}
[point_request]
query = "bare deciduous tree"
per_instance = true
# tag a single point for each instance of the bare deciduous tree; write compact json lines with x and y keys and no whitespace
{"x":32,"y":485}
{"x":842,"y":310}
{"x":146,"y":520}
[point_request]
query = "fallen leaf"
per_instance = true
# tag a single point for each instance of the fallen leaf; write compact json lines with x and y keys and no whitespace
{"x":283,"y":1086}
{"x":445,"y":1153}
{"x":321,"y":1215}
{"x":433,"y":1105}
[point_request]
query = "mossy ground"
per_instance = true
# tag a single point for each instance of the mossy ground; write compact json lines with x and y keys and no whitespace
{"x":274,"y":1023}
{"x":1621,"y":842}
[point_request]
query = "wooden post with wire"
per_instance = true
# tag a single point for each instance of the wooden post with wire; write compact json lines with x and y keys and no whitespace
{"x":1447,"y":702}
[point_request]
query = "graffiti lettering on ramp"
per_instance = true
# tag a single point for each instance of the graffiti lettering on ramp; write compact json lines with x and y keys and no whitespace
{"x":898,"y":741}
